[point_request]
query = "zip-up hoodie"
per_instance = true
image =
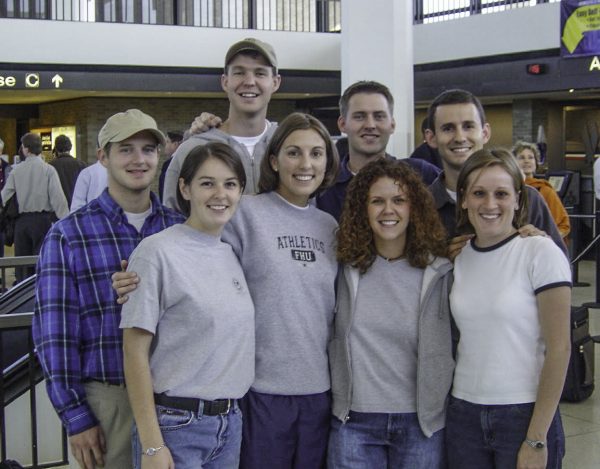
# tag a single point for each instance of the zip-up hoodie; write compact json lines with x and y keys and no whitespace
{"x":435,"y":365}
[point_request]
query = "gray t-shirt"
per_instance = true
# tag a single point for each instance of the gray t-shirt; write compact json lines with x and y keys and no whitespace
{"x":288,"y":257}
{"x":193,"y":296}
{"x":383,"y":338}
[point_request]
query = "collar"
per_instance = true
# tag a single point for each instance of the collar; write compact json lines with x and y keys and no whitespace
{"x":345,"y":174}
{"x":114,"y":212}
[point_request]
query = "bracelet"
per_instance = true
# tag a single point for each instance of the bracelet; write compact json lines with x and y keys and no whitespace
{"x":152,"y":451}
{"x":535,"y":444}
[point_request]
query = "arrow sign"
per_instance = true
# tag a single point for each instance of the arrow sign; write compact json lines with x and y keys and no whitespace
{"x":584,"y":19}
{"x":57,"y":80}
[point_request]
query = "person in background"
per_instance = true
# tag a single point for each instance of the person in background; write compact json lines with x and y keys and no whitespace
{"x":511,"y":302}
{"x":90,"y":183}
{"x":424,"y":151}
{"x":67,"y":167}
{"x":528,"y":157}
{"x":174,"y":139}
{"x":40,"y":198}
{"x":76,"y":321}
{"x":391,"y":352}
{"x":187,"y":363}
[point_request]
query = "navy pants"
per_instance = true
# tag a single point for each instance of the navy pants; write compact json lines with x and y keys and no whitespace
{"x":285,"y":432}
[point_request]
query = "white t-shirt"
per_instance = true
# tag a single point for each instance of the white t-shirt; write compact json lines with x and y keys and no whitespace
{"x":493,"y":301}
{"x":250,"y":142}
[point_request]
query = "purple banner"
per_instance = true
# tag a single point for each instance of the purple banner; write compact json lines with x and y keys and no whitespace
{"x":580,"y":27}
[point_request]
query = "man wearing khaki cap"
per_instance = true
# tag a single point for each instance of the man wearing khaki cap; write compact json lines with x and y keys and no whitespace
{"x":76,"y":322}
{"x":250,"y":78}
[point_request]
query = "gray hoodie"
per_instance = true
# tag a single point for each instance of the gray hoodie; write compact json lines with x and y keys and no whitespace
{"x":435,"y":365}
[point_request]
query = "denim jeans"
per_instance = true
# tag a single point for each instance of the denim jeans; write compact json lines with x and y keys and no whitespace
{"x":197,"y":441}
{"x":379,"y":441}
{"x":482,"y":436}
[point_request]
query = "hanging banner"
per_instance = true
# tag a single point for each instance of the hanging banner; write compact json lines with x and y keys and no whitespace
{"x":580,"y":27}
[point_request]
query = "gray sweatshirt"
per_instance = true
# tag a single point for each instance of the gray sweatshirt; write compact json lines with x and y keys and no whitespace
{"x":288,"y":257}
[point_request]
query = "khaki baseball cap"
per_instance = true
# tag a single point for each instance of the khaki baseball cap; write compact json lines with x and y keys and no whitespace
{"x":252,"y":44}
{"x":123,"y":125}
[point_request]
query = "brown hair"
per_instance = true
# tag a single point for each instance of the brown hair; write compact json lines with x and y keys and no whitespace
{"x":425,"y":235}
{"x":269,"y":178}
{"x":454,"y":97}
{"x":197,"y":157}
{"x":485,"y":159}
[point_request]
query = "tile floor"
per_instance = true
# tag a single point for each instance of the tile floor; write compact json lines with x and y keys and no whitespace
{"x":581,"y":421}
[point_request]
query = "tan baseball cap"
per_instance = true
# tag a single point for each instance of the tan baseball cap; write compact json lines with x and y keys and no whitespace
{"x":123,"y":125}
{"x":252,"y":44}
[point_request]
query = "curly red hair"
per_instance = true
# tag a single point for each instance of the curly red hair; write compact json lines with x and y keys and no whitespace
{"x":426,"y":235}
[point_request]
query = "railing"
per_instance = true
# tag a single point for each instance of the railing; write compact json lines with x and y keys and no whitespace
{"x":280,"y":15}
{"x":433,"y":11}
{"x":11,"y":262}
{"x":17,"y":379}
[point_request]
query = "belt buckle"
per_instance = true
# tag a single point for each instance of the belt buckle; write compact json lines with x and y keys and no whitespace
{"x":228,"y":407}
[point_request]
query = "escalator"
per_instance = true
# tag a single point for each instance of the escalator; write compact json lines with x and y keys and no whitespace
{"x":16,"y":344}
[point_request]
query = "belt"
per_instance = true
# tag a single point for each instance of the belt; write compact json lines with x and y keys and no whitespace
{"x":210,"y":408}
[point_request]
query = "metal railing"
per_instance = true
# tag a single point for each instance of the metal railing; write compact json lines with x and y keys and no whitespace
{"x":19,"y":378}
{"x":12,"y":262}
{"x":280,"y":15}
{"x":434,"y":11}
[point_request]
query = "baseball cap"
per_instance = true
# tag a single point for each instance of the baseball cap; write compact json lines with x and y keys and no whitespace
{"x":123,"y":125}
{"x":252,"y":44}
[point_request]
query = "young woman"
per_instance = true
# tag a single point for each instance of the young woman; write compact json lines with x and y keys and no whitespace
{"x":391,"y":354}
{"x":189,"y":326}
{"x":528,"y":156}
{"x":511,"y":300}
{"x":286,"y":248}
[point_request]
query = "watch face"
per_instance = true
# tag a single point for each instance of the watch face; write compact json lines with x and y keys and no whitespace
{"x":539,"y":445}
{"x":151,"y":451}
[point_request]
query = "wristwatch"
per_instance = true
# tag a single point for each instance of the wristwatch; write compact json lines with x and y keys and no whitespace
{"x":535,"y":444}
{"x":152,"y":451}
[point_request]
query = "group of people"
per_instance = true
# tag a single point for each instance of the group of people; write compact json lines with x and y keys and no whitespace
{"x":256,"y":332}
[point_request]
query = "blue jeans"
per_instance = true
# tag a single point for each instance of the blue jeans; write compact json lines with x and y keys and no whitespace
{"x":379,"y":441}
{"x":197,"y":441}
{"x":482,"y":436}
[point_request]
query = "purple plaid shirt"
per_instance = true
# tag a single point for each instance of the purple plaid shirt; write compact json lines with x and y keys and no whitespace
{"x":76,"y":322}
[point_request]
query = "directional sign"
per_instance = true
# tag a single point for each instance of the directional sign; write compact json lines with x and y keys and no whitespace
{"x":580,"y":27}
{"x":57,"y":80}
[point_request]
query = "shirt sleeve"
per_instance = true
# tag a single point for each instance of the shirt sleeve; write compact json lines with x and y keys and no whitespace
{"x":547,"y":267}
{"x":172,"y":178}
{"x":145,"y":306}
{"x":57,"y":334}
{"x":80,"y":191}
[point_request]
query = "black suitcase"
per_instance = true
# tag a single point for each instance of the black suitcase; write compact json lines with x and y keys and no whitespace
{"x":579,"y":383}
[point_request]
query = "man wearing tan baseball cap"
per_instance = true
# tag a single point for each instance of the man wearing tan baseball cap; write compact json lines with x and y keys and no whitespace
{"x":249,"y":79}
{"x":76,"y":322}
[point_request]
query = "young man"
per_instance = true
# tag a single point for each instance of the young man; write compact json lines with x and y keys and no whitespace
{"x":366,"y":117}
{"x":39,"y":195}
{"x":457,"y":130}
{"x":76,"y":323}
{"x":67,"y":167}
{"x":250,"y":78}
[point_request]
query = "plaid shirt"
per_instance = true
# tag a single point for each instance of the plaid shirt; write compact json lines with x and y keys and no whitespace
{"x":76,"y":321}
